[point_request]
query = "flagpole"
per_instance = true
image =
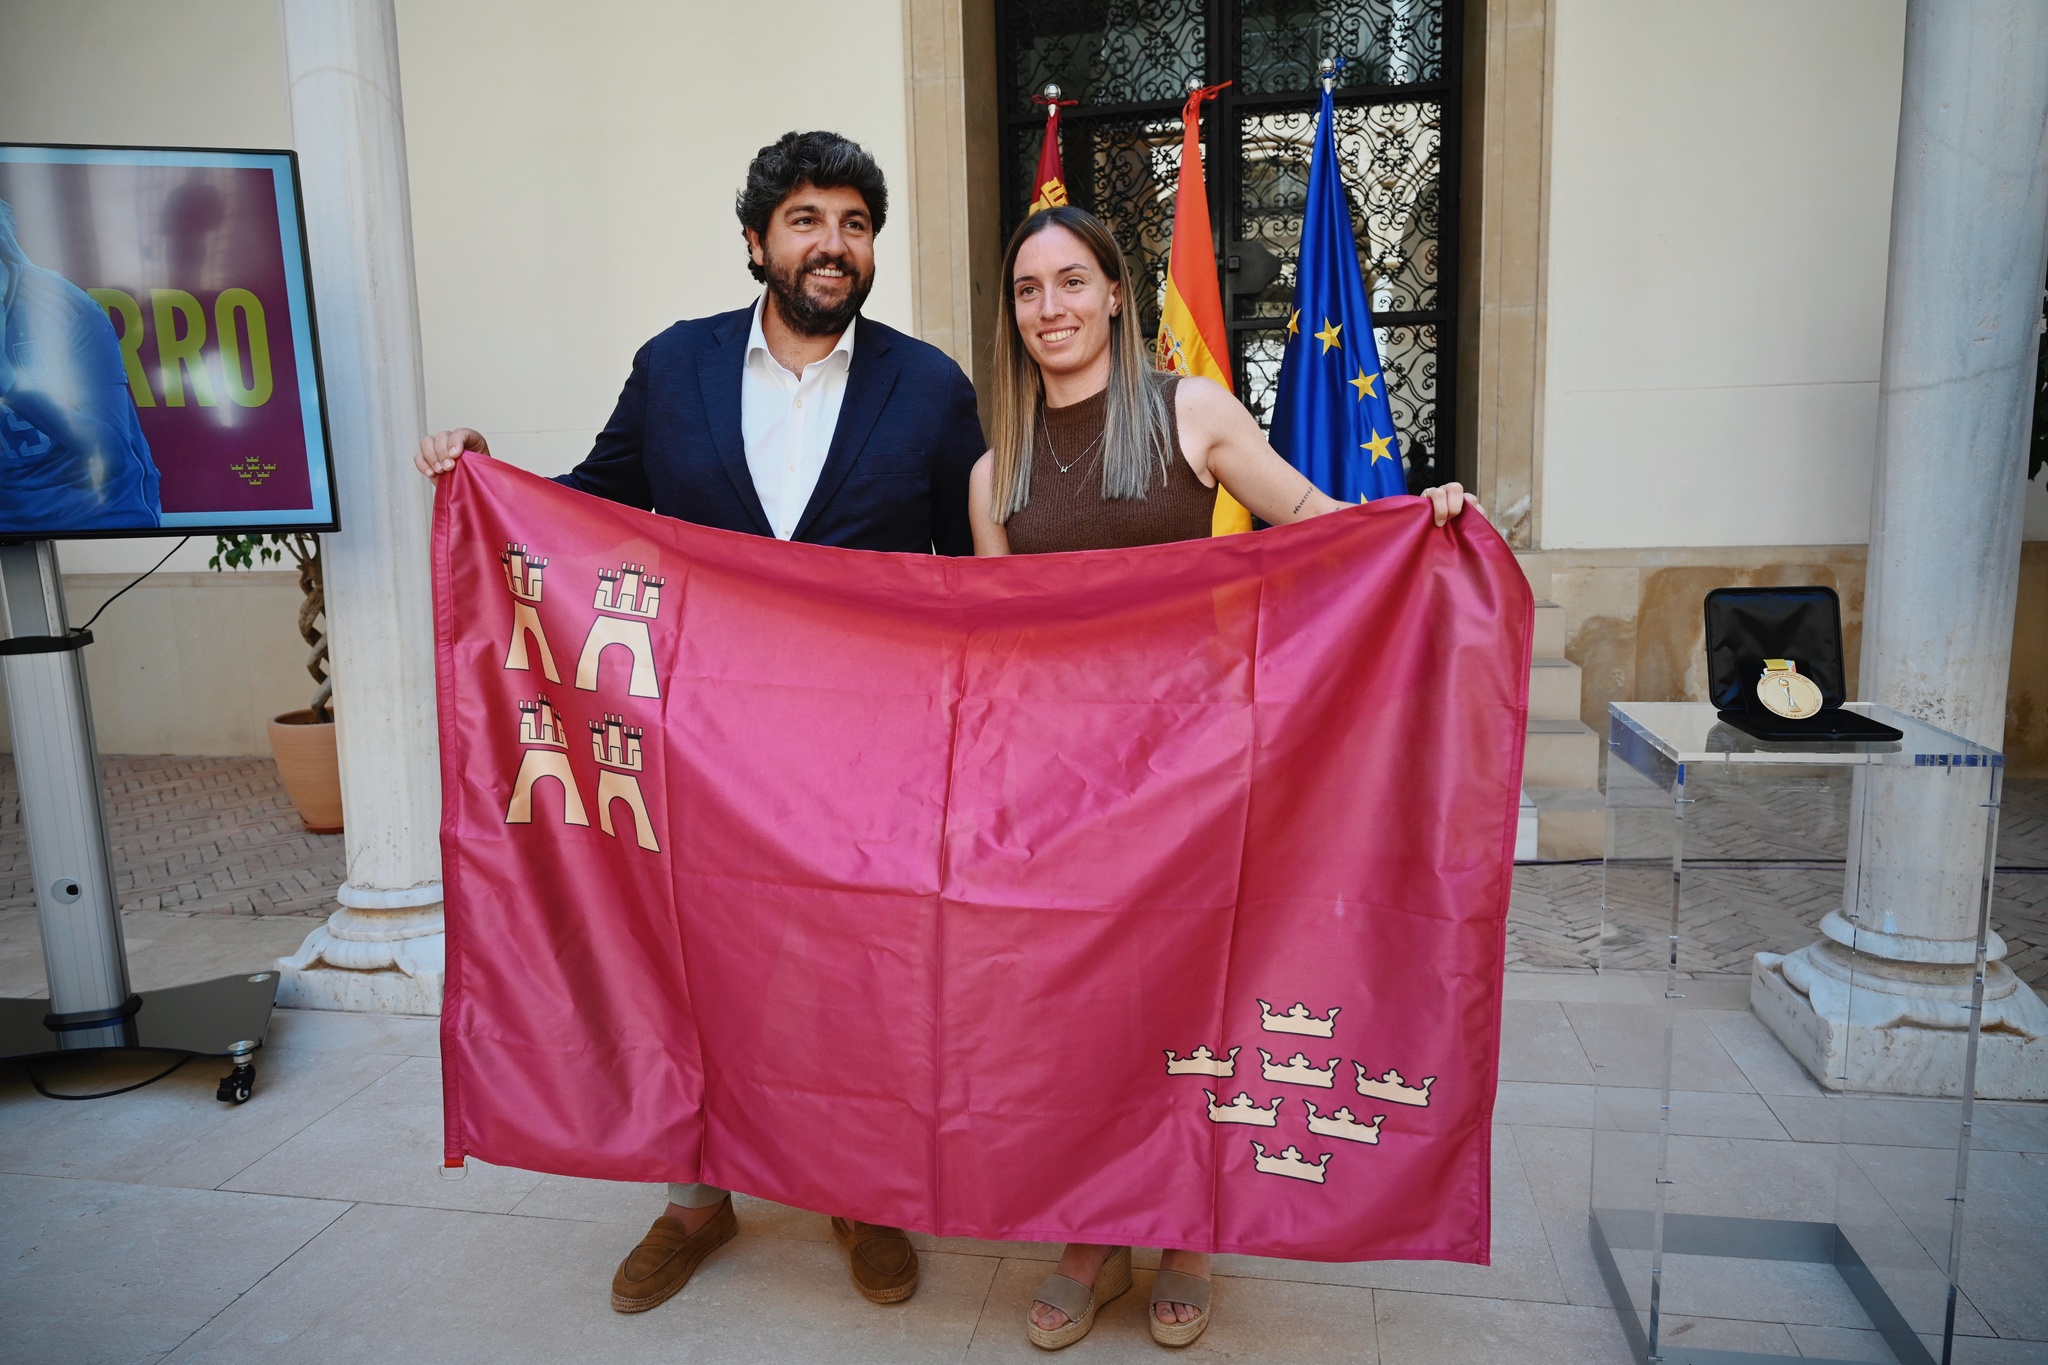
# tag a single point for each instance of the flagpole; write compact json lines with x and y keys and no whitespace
{"x":1194,"y":338}
{"x":1332,"y":418}
{"x":1049,"y":188}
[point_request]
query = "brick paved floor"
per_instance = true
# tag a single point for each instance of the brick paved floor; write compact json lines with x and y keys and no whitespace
{"x":1732,"y":913}
{"x":218,"y":836}
{"x":197,"y":836}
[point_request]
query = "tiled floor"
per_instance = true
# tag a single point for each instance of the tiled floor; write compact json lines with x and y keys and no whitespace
{"x":313,"y":1222}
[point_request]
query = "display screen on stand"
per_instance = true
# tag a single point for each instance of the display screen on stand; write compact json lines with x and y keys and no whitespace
{"x":158,"y":364}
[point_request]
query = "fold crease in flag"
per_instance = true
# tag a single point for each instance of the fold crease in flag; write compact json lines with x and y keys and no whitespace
{"x":1152,"y":896}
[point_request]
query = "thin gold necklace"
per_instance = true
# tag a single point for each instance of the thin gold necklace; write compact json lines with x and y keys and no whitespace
{"x":1053,"y":450}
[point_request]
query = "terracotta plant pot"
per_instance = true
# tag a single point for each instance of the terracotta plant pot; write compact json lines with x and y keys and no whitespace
{"x":305,"y":760}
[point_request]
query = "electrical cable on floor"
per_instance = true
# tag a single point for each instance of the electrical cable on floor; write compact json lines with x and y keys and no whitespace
{"x":146,"y":573}
{"x":48,"y":1094}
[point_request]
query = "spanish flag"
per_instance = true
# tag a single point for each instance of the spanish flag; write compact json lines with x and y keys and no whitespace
{"x":1192,"y":337}
{"x":1050,"y":188}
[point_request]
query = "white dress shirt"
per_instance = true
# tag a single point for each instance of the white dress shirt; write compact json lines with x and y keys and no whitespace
{"x":787,"y":421}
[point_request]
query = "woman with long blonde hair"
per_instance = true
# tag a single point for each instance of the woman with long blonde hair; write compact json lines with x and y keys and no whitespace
{"x":1094,"y":449}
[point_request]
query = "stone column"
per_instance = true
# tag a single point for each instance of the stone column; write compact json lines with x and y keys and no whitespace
{"x":383,"y":949}
{"x":1969,"y":236}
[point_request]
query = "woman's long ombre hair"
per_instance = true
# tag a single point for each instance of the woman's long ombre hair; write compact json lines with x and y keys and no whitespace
{"x":1134,"y":439}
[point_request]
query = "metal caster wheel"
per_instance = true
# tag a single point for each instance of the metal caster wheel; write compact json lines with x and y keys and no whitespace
{"x":237,"y":1085}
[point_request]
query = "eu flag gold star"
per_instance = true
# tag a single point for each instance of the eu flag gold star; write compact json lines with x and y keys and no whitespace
{"x":1364,"y":384}
{"x":1294,"y":323}
{"x":1328,"y":336}
{"x":1378,"y":446}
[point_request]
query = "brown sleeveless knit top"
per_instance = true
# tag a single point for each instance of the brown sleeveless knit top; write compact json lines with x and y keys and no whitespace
{"x":1067,"y":510}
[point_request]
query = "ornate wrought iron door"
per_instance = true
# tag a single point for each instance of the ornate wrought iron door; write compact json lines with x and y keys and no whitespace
{"x":1128,"y":62}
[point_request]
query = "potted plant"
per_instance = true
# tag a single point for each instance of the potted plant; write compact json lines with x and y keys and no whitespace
{"x":302,"y":740}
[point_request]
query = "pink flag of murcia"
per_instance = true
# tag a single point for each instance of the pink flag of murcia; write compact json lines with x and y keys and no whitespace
{"x":1152,"y":896}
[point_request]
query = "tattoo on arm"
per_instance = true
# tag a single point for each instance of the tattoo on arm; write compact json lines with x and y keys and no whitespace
{"x":1304,"y":499}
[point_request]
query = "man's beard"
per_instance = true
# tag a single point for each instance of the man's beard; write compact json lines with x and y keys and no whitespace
{"x":786,"y":283}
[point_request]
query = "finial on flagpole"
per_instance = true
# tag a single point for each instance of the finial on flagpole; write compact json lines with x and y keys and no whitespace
{"x":1194,"y":84}
{"x":1327,"y":69}
{"x":1052,"y":92}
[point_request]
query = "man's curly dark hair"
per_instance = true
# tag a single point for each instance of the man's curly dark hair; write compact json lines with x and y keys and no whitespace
{"x":825,"y":160}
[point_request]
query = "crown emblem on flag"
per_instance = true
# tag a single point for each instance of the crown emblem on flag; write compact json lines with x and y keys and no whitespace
{"x":628,"y":591}
{"x":1242,"y":1110}
{"x":1298,"y":1070}
{"x":1392,"y":1088}
{"x":1290,"y":1164}
{"x":1297,"y":1019}
{"x":1202,"y":1062}
{"x":1340,"y":1125}
{"x":1344,"y":1124}
{"x":615,"y":743}
{"x":522,"y":573}
{"x":539,"y":724}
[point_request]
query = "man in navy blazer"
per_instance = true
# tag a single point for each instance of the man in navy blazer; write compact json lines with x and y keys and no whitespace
{"x":800,"y":419}
{"x":894,"y":476}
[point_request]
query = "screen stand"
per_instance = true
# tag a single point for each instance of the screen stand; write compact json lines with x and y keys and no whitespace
{"x":90,"y":1007}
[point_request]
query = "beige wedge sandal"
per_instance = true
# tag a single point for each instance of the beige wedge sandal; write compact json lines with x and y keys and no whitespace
{"x":1078,"y":1301}
{"x":1171,"y":1286}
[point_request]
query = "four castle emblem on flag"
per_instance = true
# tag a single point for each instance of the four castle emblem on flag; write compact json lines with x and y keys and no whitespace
{"x":1343,"y":1125}
{"x":627,"y":599}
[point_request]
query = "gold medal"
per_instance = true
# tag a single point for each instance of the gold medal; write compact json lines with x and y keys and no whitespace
{"x":1785,"y":693}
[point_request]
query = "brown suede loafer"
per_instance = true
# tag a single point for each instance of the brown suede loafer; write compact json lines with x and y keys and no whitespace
{"x":884,"y":1261}
{"x":667,"y":1257}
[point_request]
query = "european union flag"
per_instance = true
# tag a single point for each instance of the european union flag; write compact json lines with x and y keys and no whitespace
{"x":1331,"y":419}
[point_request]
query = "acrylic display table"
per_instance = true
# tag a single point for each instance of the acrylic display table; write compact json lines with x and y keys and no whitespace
{"x":1731,"y":1186}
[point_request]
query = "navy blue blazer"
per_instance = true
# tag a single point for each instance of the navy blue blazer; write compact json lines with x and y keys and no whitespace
{"x":895,"y":477}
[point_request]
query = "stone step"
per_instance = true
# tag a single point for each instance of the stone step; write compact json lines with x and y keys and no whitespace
{"x":1553,"y":688}
{"x":1560,"y":753}
{"x":1570,"y":821}
{"x":1549,"y":630}
{"x":1532,"y":566}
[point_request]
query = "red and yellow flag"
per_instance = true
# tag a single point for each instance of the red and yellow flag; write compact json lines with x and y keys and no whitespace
{"x":1049,"y":189}
{"x":1192,"y":337}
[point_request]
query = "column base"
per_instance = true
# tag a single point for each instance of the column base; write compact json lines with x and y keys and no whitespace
{"x":371,"y":960}
{"x":334,"y":988}
{"x":1881,"y":1040}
